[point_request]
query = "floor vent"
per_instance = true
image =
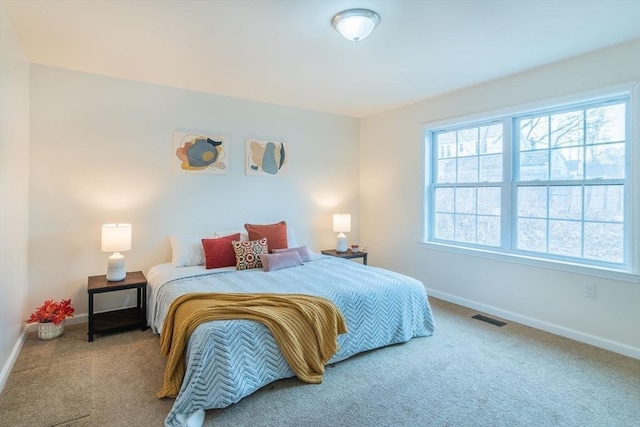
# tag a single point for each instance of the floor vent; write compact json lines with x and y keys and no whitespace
{"x":489,"y":320}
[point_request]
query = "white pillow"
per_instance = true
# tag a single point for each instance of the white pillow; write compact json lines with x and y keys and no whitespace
{"x":186,"y":250}
{"x":292,"y":242}
{"x":244,"y":236}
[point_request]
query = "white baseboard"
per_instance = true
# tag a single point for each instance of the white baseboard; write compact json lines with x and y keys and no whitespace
{"x":31,"y":327}
{"x":596,"y":341}
{"x":6,"y":369}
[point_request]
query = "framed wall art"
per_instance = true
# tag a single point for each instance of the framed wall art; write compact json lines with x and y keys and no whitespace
{"x":195,"y":152}
{"x":266,"y":157}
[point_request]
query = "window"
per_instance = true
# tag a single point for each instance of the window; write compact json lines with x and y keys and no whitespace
{"x":467,"y":185}
{"x":550,"y":184}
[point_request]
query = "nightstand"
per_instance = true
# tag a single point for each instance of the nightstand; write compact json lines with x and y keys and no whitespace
{"x":347,"y":255}
{"x":123,"y":319}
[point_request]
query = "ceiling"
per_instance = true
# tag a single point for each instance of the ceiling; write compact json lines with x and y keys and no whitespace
{"x":286,"y":52}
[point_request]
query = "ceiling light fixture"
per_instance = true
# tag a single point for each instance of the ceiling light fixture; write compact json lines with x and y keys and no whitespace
{"x":355,"y":24}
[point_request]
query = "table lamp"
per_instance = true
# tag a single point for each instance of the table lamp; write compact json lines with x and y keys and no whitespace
{"x":116,"y":238}
{"x":341,"y":224}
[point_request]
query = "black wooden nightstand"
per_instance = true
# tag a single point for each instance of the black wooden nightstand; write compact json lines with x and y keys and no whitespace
{"x":123,"y":319}
{"x":349,"y":254}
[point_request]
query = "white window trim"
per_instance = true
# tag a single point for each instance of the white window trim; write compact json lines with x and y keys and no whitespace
{"x":633,"y":163}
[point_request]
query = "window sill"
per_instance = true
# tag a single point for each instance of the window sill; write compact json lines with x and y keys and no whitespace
{"x":536,"y":262}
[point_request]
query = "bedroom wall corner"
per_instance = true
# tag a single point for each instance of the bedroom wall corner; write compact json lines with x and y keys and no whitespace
{"x":14,"y":195}
{"x":392,"y":210}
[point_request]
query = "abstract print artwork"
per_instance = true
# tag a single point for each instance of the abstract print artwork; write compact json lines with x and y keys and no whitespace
{"x":266,"y":157}
{"x":200,"y":153}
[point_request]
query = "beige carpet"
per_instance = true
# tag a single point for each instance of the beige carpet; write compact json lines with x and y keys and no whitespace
{"x":469,"y":373}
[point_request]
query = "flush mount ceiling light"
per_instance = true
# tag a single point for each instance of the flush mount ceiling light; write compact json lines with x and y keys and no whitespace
{"x":355,"y":24}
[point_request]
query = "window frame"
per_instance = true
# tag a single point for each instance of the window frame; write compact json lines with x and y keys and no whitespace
{"x":629,"y":271}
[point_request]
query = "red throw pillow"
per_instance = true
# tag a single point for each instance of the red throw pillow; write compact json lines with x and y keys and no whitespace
{"x":219,"y":252}
{"x":276,"y":234}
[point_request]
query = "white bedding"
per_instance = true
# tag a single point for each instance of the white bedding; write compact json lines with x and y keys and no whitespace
{"x":228,"y":360}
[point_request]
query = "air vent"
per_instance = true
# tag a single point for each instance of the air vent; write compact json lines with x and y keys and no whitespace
{"x":489,"y":320}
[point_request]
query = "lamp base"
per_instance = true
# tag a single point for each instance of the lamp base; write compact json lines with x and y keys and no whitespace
{"x":115,"y":268}
{"x":341,"y":243}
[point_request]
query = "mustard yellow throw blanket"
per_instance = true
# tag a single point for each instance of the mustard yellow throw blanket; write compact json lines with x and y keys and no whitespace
{"x":305,"y":327}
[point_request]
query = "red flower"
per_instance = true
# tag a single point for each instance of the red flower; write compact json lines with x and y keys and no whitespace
{"x":52,"y":312}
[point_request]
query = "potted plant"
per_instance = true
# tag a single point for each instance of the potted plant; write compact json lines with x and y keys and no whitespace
{"x":50,"y":318}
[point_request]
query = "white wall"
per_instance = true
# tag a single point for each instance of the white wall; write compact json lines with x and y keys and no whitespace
{"x":14,"y":194}
{"x":391,"y":148}
{"x":101,"y":151}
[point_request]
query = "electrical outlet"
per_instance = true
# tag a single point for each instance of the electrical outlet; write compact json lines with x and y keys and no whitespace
{"x":590,"y":290}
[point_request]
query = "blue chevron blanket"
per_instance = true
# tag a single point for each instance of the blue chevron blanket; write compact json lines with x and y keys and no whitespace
{"x":230,"y":359}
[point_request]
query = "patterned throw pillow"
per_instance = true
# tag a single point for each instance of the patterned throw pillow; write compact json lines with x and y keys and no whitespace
{"x":247,"y":253}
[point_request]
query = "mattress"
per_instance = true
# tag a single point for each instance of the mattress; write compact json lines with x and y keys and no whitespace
{"x":230,"y":359}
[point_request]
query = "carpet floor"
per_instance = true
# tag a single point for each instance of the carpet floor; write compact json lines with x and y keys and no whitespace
{"x":469,"y":373}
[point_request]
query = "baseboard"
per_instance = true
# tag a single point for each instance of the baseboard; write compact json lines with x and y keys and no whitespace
{"x":31,"y":327}
{"x":6,"y":369}
{"x":596,"y":341}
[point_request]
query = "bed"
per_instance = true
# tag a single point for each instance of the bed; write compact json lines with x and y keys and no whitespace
{"x":230,"y":359}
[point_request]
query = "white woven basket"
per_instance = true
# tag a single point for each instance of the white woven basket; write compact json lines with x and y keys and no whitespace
{"x":47,"y":331}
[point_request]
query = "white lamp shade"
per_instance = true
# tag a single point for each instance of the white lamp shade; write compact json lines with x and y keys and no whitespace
{"x":355,"y":24}
{"x":116,"y":237}
{"x":342,"y":223}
